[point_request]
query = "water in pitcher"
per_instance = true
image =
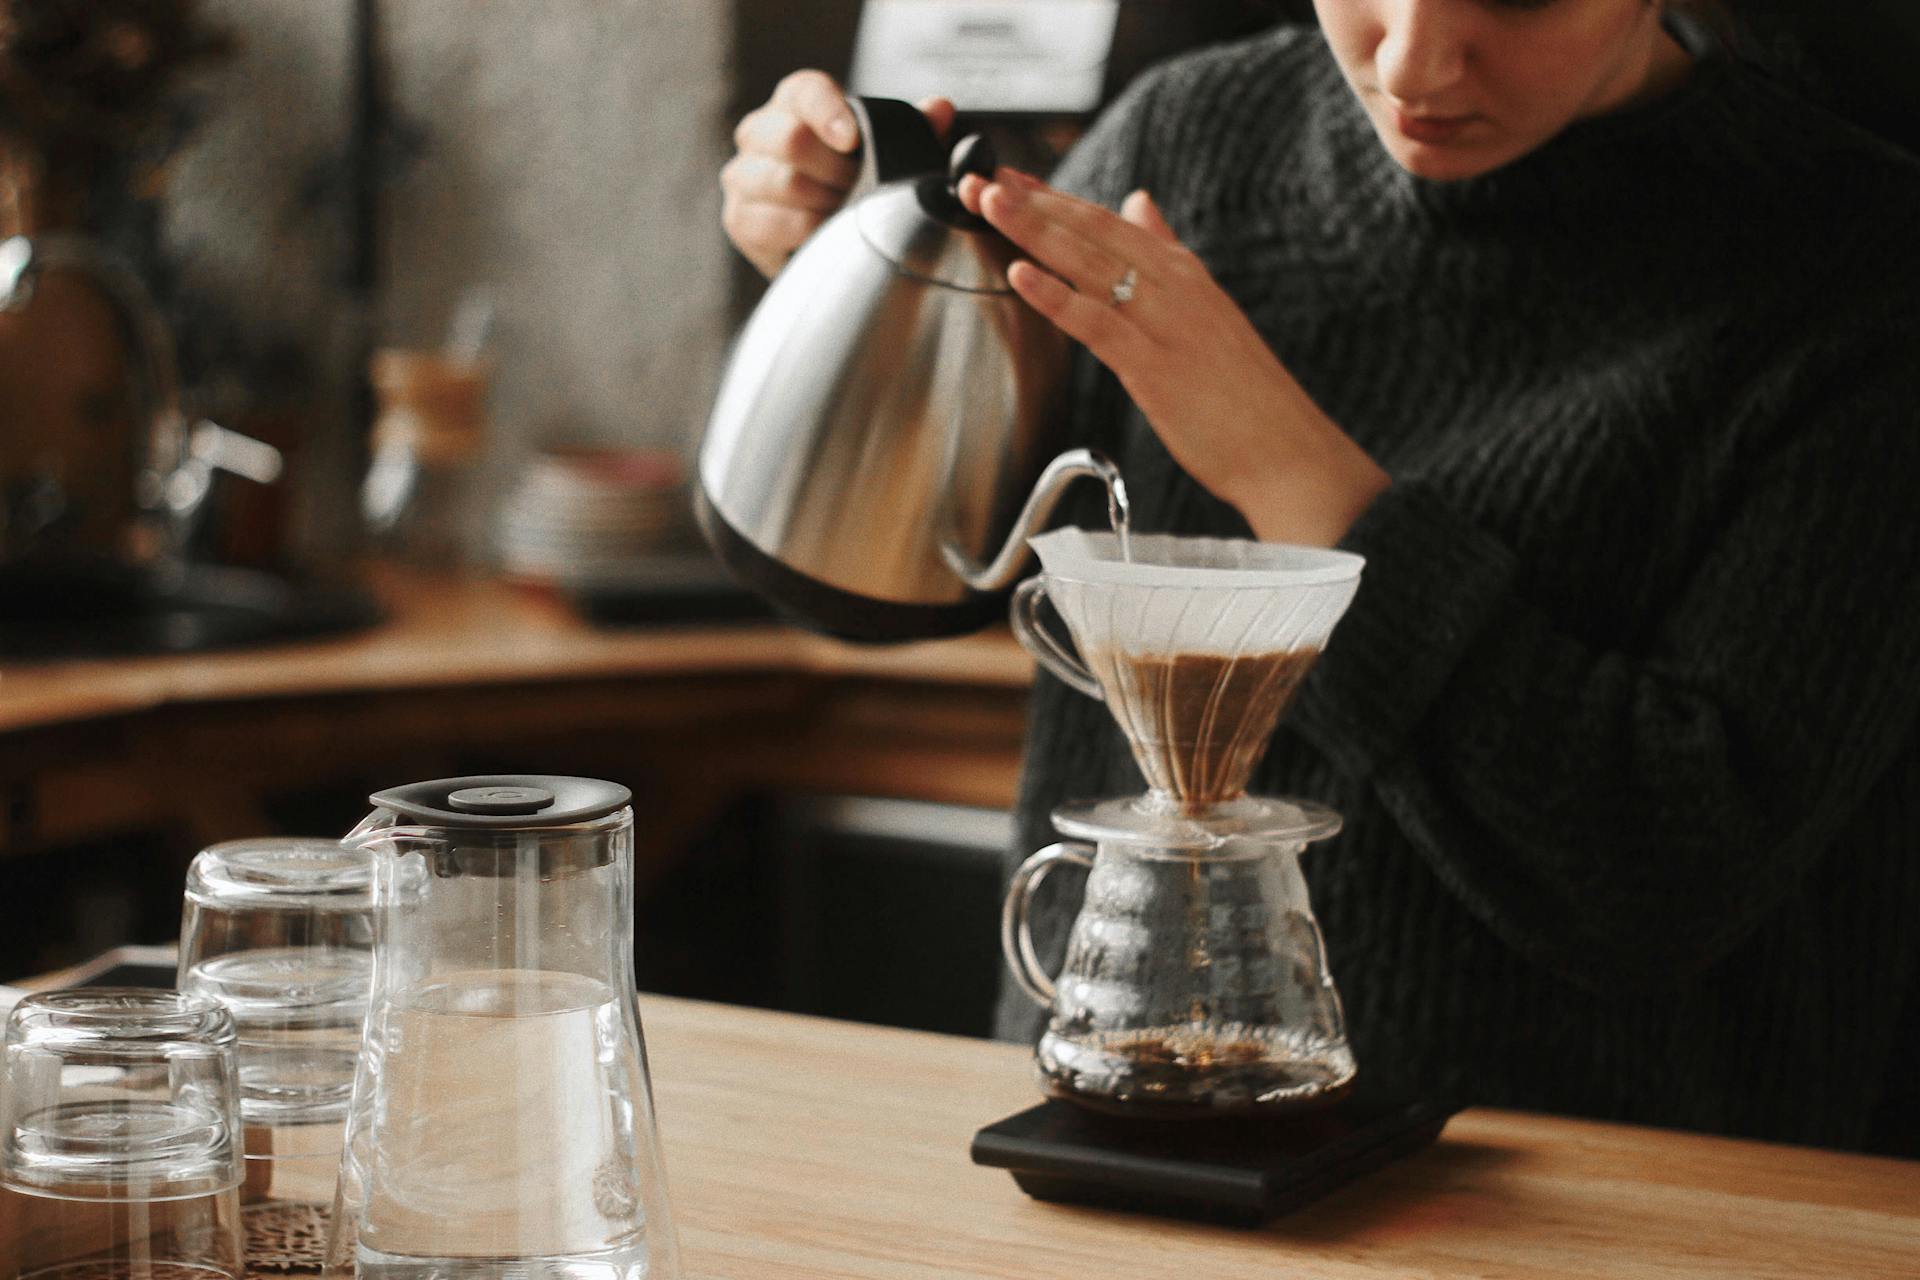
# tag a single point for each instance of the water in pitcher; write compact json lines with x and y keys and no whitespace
{"x":509,"y":1098}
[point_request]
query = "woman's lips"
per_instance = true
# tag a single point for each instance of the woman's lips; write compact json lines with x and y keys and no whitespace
{"x":1432,"y":130}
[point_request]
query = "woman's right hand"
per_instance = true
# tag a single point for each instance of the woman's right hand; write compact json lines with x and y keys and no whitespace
{"x":796,"y":160}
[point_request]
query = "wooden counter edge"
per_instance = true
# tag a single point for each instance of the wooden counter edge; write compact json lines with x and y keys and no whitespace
{"x":474,"y":634}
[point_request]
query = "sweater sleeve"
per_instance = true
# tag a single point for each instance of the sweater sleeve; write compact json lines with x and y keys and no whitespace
{"x":1626,"y":818}
{"x":1104,"y":165}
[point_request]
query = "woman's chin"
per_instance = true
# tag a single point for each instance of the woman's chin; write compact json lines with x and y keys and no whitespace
{"x":1441,"y":163}
{"x":1452,"y":161}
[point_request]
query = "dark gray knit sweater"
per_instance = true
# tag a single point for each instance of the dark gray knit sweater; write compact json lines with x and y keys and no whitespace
{"x":1623,"y":718}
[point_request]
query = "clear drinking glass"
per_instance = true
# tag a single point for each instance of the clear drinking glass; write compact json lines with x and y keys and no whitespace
{"x":280,"y":931}
{"x":121,"y":1141}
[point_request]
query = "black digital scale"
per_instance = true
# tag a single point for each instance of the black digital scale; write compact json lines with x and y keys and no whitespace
{"x":1241,"y":1172}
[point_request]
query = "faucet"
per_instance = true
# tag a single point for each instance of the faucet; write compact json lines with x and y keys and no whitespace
{"x":180,"y":459}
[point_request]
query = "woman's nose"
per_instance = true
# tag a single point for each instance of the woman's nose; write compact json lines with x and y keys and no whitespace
{"x":1423,"y":48}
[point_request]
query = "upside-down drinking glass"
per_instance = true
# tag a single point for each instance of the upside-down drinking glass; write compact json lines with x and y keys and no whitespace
{"x":120,"y":1136}
{"x":280,"y":931}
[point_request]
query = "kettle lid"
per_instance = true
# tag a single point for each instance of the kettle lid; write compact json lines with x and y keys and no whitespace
{"x":504,"y":801}
{"x":907,"y":206}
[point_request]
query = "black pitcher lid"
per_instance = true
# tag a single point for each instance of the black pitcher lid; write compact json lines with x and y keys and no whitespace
{"x":505,"y":801}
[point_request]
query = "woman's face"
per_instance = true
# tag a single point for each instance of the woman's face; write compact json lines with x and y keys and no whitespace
{"x":1456,"y":88}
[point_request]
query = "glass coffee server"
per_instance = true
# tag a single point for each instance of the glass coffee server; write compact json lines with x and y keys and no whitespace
{"x":1195,"y":982}
{"x":502,"y":1121}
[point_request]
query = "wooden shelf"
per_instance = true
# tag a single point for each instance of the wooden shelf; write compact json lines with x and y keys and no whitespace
{"x":471,"y":668}
{"x":447,"y":633}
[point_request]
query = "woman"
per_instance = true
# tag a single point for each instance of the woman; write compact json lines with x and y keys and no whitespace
{"x":1603,"y":350}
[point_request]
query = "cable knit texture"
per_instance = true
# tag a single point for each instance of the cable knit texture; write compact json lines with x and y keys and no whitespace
{"x":1622,"y":720}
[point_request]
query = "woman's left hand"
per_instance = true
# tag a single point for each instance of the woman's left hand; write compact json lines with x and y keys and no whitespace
{"x":1215,"y":393}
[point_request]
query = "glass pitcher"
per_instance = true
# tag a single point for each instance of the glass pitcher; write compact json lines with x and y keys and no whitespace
{"x":1196,"y":979}
{"x":502,"y":1120}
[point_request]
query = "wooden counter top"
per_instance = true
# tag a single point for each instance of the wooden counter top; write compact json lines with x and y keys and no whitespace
{"x":797,"y":1147}
{"x":453,"y":633}
{"x":801,"y":1149}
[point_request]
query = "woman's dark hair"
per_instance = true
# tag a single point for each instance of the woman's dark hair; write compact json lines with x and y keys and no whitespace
{"x":1715,"y":17}
{"x":1705,"y":10}
{"x":1855,"y":59}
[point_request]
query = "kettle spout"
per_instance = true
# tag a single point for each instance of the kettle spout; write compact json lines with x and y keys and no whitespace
{"x":1072,"y":465}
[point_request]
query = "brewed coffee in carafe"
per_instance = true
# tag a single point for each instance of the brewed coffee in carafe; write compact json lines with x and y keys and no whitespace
{"x":1195,"y":981}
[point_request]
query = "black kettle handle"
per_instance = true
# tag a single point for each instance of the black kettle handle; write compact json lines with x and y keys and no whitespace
{"x":896,"y":141}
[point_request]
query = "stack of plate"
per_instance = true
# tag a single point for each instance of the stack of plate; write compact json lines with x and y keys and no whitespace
{"x":587,"y":513}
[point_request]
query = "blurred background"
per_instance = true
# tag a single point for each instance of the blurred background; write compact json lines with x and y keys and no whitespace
{"x":351,"y":359}
{"x":352,"y":354}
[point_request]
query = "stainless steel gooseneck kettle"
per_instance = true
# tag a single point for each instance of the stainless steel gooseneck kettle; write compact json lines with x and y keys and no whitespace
{"x":884,"y":438}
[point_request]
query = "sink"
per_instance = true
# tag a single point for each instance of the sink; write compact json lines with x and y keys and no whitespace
{"x":96,"y":610}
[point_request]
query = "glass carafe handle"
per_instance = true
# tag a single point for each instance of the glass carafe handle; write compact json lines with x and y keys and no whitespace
{"x":1024,"y":613}
{"x":1016,"y":935}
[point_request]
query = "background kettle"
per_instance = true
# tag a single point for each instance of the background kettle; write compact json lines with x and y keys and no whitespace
{"x":68,"y":502}
{"x":884,"y":437}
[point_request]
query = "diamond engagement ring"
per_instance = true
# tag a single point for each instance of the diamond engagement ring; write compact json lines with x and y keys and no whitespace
{"x":1122,"y":291}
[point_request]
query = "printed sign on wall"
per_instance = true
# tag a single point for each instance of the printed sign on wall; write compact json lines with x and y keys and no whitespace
{"x":1038,"y":57}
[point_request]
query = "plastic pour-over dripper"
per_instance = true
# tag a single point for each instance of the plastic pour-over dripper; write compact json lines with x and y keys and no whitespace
{"x":1197,"y":645}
